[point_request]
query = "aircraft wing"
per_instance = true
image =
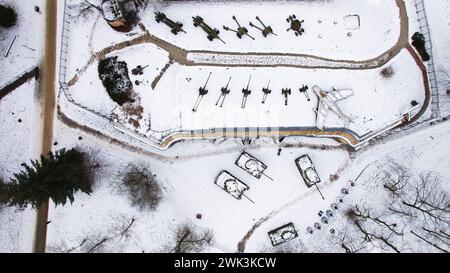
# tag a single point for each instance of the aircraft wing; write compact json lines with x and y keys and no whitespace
{"x":322,"y":111}
{"x":337,"y":95}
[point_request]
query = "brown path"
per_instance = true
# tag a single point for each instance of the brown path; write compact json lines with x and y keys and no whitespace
{"x":48,"y":98}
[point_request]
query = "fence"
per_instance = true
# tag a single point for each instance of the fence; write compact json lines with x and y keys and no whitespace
{"x":64,"y":52}
{"x":425,"y":30}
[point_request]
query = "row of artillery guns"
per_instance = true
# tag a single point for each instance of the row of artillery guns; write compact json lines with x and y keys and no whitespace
{"x":224,"y":91}
{"x":241,"y":31}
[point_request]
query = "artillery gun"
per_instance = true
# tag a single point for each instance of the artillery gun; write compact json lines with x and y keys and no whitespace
{"x":139,"y":70}
{"x":175,"y":26}
{"x":212,"y":33}
{"x":241,"y":31}
{"x":296,"y":25}
{"x":265,"y":30}
{"x":286,"y":92}
{"x":246,"y":92}
{"x":304,"y":90}
{"x":201,"y":92}
{"x":224,"y":91}
{"x":266,"y":92}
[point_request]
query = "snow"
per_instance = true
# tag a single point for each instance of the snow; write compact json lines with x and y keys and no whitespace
{"x":26,"y":50}
{"x":186,"y":172}
{"x":367,"y":42}
{"x":18,"y":145}
{"x":420,"y":151}
{"x":169,"y":106}
{"x":188,"y":189}
{"x":438,"y":13}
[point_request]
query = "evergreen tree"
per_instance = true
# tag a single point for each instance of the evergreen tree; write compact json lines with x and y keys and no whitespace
{"x":58,"y":176}
{"x":8,"y":17}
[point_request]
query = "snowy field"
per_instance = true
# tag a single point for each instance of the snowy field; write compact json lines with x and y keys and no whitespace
{"x":20,"y":142}
{"x":420,"y":152}
{"x":438,"y":13}
{"x":377,"y":102}
{"x":186,"y":171}
{"x":327,"y":25}
{"x":89,"y":33}
{"x":188,"y":189}
{"x":26,"y":50}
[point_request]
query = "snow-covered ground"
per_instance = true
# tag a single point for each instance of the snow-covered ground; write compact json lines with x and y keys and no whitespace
{"x":20,"y":142}
{"x":188,"y":187}
{"x":186,"y":171}
{"x":419,"y":152}
{"x":438,"y":13}
{"x":377,"y":101}
{"x":26,"y":50}
{"x":327,"y":25}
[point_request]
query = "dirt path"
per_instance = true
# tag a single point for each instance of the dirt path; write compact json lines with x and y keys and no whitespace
{"x":33,"y":73}
{"x":48,"y":99}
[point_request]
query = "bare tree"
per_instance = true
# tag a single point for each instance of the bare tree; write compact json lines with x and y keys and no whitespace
{"x":395,"y":179}
{"x":189,"y":239}
{"x":422,"y":203}
{"x":424,"y":198}
{"x":347,"y":242}
{"x":83,"y":10}
{"x":375,"y":229}
{"x":114,"y":239}
{"x":141,"y":186}
{"x":122,"y":230}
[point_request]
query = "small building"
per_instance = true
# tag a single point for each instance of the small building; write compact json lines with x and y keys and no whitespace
{"x":120,"y":14}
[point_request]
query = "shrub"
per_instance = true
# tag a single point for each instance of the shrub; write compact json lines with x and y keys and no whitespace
{"x":387,"y":72}
{"x":142,"y":187}
{"x":114,"y":76}
{"x":8,"y":17}
{"x":419,"y":44}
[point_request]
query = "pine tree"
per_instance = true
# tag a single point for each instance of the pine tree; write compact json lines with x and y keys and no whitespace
{"x":58,"y":177}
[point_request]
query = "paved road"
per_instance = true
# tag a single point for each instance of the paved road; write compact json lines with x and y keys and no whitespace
{"x":48,"y":98}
